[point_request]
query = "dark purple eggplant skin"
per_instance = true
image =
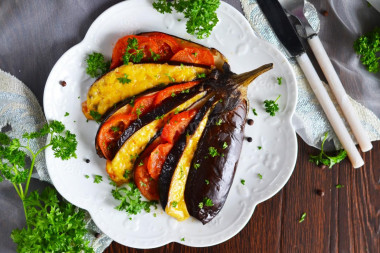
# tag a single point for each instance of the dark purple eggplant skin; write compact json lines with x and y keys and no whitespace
{"x":175,"y":154}
{"x":218,"y":170}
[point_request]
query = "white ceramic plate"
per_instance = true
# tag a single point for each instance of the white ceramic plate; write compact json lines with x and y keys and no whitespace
{"x":234,"y":37}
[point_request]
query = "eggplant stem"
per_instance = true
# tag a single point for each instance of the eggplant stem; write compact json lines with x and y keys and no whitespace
{"x":246,"y":78}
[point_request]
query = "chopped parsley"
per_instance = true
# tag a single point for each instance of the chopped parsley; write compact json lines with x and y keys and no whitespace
{"x":207,"y":182}
{"x":219,"y":122}
{"x":160,"y":117}
{"x":213,"y":151}
{"x":154,"y":215}
{"x":279,"y":80}
{"x":98,"y":179}
{"x":271,"y":106}
{"x":185,"y":91}
{"x":155,"y":56}
{"x":96,"y":116}
{"x":170,"y":78}
{"x":303,"y":216}
{"x":242,"y":181}
{"x":174,"y":204}
{"x":225,"y":145}
{"x":208,"y":202}
{"x":115,"y":128}
{"x":66,"y":114}
{"x":142,"y":184}
{"x":96,"y":65}
{"x":338,"y":186}
{"x":323,"y":158}
{"x":367,"y":47}
{"x":196,"y":166}
{"x":87,"y":176}
{"x":259,"y":147}
{"x":173,"y":94}
{"x":201,"y":75}
{"x":130,"y":199}
{"x":260,"y":176}
{"x":254,"y":111}
{"x":182,"y":239}
{"x":141,"y":163}
{"x":124,"y":79}
{"x":126,"y":174}
{"x":176,"y":111}
{"x":136,"y":55}
{"x":200,"y":205}
{"x":195,"y":54}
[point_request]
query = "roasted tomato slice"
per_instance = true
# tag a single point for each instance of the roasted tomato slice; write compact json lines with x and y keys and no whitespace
{"x":143,"y":105}
{"x":157,"y":159}
{"x":177,"y":125}
{"x":194,"y":55}
{"x":162,"y":38}
{"x":110,"y":132}
{"x":147,"y":185}
{"x":173,"y":90}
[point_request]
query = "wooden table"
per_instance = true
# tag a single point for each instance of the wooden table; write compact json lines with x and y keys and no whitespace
{"x":343,"y":220}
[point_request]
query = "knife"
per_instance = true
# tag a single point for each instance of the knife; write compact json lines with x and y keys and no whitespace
{"x":289,"y":38}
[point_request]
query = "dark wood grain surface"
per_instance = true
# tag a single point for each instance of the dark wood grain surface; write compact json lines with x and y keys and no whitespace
{"x":34,"y":34}
{"x":343,"y":220}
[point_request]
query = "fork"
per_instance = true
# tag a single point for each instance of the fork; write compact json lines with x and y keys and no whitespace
{"x":295,"y":8}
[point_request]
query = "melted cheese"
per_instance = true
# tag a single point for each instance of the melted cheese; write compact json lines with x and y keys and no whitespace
{"x":108,"y":90}
{"x":176,"y":205}
{"x":125,"y":158}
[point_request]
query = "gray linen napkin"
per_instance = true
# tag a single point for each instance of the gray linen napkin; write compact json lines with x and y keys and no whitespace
{"x":309,"y":120}
{"x":20,"y":113}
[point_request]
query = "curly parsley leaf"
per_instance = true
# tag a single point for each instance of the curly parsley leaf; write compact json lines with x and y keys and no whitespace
{"x":132,"y":52}
{"x":323,"y":158}
{"x":130,"y":199}
{"x":124,"y":79}
{"x":96,"y":65}
{"x":201,"y":14}
{"x":367,"y":47}
{"x":53,"y":225}
{"x":271,"y":106}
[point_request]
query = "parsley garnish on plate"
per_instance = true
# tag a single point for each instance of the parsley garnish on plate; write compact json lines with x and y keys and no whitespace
{"x":242,"y":181}
{"x":201,"y":15}
{"x":213,"y":151}
{"x":338,"y":186}
{"x":66,"y":114}
{"x":130,"y":199}
{"x":96,"y":116}
{"x":124,"y":79}
{"x":279,"y":80}
{"x":98,"y":179}
{"x":323,"y":158}
{"x":225,"y":145}
{"x":271,"y":106}
{"x":260,"y":176}
{"x":132,"y":52}
{"x":96,"y":65}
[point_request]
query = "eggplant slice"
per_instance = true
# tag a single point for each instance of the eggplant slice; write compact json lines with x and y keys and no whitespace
{"x":109,"y":90}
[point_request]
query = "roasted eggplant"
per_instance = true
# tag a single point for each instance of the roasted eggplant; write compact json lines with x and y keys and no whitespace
{"x":176,"y":130}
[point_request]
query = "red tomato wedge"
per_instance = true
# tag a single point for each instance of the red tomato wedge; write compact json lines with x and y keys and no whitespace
{"x":111,"y":131}
{"x":160,"y":44}
{"x":143,"y":105}
{"x":157,"y":159}
{"x":164,"y":94}
{"x":147,"y":185}
{"x":194,"y":55}
{"x":170,"y":134}
{"x":177,"y":125}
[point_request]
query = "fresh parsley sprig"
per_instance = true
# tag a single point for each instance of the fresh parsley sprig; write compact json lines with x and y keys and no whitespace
{"x":367,"y":47}
{"x":130,"y":199}
{"x":271,"y":106}
{"x":97,"y":65}
{"x":323,"y":158}
{"x":201,"y":14}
